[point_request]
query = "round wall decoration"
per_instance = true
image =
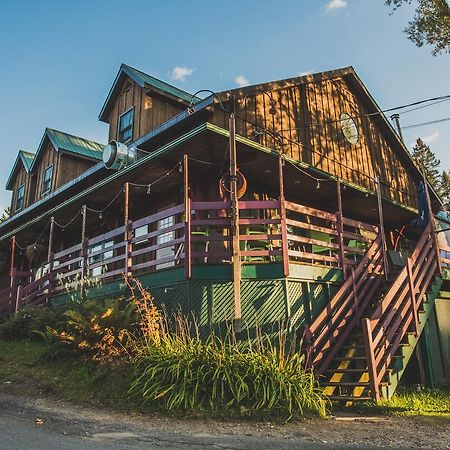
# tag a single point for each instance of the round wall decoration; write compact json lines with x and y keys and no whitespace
{"x":349,"y":128}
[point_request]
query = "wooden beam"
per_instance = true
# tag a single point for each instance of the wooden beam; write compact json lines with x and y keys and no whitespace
{"x":383,"y":235}
{"x":187,"y":221}
{"x":284,"y":239}
{"x":83,"y":249}
{"x":50,"y":238}
{"x":235,"y":224}
{"x":340,"y":229}
{"x":127,"y":233}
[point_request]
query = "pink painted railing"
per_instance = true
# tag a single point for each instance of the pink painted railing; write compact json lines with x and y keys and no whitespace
{"x":329,"y":330}
{"x":398,"y":310}
{"x":200,"y":233}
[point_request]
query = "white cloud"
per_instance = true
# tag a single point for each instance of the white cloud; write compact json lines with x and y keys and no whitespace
{"x":431,"y":137}
{"x":241,"y":81}
{"x":305,"y":72}
{"x":335,"y":4}
{"x":179,"y":73}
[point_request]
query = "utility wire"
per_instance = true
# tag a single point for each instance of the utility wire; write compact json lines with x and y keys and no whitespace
{"x":425,"y":123}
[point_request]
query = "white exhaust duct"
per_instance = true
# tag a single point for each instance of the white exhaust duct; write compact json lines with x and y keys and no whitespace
{"x":117,"y":155}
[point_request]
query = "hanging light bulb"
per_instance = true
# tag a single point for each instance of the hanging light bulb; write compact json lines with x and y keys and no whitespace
{"x":180,"y":167}
{"x":318,"y":184}
{"x":273,"y":107}
{"x":149,"y":189}
{"x":100,"y":216}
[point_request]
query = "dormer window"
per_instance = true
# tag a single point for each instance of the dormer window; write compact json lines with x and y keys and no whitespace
{"x":125,"y":133}
{"x":20,"y":197}
{"x":47,"y":181}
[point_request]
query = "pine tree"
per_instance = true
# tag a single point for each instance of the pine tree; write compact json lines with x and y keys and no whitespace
{"x":444,"y":190}
{"x":430,"y":24}
{"x":6,"y":215}
{"x":427,"y":161}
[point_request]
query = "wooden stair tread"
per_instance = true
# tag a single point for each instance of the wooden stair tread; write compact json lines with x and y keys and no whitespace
{"x":348,"y":398}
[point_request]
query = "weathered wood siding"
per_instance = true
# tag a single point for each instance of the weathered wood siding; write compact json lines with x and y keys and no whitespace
{"x":22,"y":178}
{"x":149,"y":110}
{"x":308,"y":121}
{"x":65,"y":168}
{"x":70,"y":167}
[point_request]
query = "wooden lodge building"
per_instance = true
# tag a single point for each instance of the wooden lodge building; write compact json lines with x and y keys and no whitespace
{"x":284,"y":202}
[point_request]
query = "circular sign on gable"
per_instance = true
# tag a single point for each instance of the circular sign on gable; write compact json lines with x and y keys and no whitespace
{"x":349,"y":128}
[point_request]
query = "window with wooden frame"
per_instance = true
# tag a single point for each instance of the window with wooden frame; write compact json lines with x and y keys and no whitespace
{"x":125,"y":131}
{"x":47,"y":180}
{"x":20,"y":197}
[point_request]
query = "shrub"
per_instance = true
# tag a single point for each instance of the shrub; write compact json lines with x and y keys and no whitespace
{"x":25,"y":323}
{"x":183,"y":372}
{"x":97,"y":331}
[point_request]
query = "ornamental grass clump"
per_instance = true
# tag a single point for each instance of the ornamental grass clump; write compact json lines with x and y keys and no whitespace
{"x":179,"y":371}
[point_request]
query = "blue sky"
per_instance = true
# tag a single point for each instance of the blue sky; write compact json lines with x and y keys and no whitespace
{"x":59,"y":58}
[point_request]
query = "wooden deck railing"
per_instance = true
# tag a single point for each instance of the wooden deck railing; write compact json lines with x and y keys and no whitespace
{"x":200,"y":233}
{"x":398,"y":310}
{"x":326,"y":335}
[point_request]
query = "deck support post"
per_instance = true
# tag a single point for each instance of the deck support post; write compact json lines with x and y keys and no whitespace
{"x":12,"y":270}
{"x":382,"y":231}
{"x":83,"y":249}
{"x":412,"y":293}
{"x":13,"y":253}
{"x":50,"y":258}
{"x":432,"y":224}
{"x":127,"y":233}
{"x":370,"y":354}
{"x":340,"y":229}
{"x":187,"y":221}
{"x":235,"y":224}
{"x":284,"y":239}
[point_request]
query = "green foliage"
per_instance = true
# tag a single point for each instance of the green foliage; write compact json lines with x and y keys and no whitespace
{"x":430,"y":25}
{"x":5,"y":215}
{"x":95,"y":330}
{"x":428,"y":402}
{"x":183,"y":372}
{"x":25,"y":323}
{"x":444,"y":190}
{"x":427,"y":161}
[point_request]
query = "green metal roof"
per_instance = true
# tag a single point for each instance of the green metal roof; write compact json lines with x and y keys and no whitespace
{"x":71,"y":144}
{"x":26,"y":158}
{"x":75,"y":144}
{"x":144,"y":80}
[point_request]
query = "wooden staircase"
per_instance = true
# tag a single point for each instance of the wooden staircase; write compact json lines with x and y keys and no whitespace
{"x":363,"y":357}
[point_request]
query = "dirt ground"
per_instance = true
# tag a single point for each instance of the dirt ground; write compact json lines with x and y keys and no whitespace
{"x":121,"y":430}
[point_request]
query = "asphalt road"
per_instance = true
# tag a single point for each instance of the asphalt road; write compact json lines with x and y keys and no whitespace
{"x":47,"y":425}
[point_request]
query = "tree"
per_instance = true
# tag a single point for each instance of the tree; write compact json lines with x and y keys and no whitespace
{"x":428,"y":162}
{"x":444,"y":191}
{"x":6,"y":215}
{"x":430,"y":25}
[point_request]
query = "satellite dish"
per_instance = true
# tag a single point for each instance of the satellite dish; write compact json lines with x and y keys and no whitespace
{"x":117,"y":155}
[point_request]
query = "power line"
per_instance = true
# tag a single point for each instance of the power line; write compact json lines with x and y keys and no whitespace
{"x":426,"y":123}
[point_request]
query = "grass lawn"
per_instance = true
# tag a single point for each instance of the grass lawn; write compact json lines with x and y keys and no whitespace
{"x":432,"y":403}
{"x":25,"y":370}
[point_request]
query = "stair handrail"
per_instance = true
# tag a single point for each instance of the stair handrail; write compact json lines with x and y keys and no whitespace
{"x":326,"y":335}
{"x":398,"y":309}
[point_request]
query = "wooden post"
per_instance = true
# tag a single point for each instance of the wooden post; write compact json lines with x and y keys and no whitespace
{"x":187,"y":221}
{"x":412,"y":292}
{"x":355,"y":296}
{"x":340,"y":229}
{"x":284,"y":239}
{"x":383,"y":235}
{"x":432,"y":223}
{"x":127,"y":234}
{"x":370,"y":354}
{"x":83,"y":249}
{"x":13,"y":252}
{"x":235,"y":224}
{"x":50,"y":238}
{"x":19,"y":296}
